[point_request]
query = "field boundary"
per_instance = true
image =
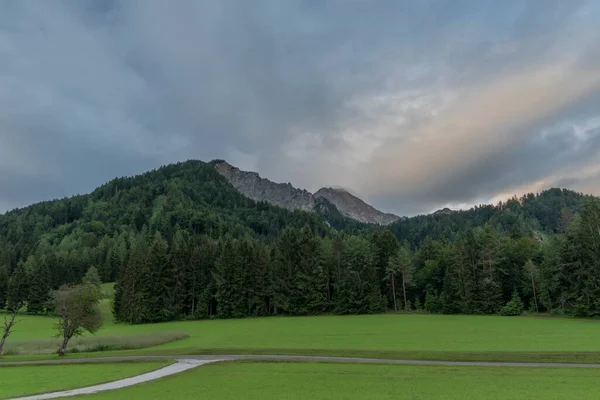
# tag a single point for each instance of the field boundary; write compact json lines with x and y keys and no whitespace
{"x":297,"y":358}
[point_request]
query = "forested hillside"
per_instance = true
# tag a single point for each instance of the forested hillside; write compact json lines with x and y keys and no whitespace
{"x":183,"y":243}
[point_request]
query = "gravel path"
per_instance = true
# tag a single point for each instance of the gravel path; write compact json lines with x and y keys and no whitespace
{"x":187,"y":362}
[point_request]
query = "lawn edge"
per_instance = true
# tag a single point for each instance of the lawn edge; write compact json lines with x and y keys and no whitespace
{"x":491,"y":356}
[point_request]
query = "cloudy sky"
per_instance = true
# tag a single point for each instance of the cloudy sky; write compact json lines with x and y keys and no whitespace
{"x":413,"y":105}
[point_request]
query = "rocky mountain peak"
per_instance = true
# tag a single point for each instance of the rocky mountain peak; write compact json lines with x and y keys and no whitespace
{"x":353,"y":207}
{"x":284,"y":195}
{"x":443,"y":211}
{"x":253,"y":186}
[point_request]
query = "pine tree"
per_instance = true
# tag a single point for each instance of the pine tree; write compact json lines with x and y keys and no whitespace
{"x":39,"y":289}
{"x":3,"y":284}
{"x":18,"y":286}
{"x":311,"y":279}
{"x":401,"y":264}
{"x":129,"y":291}
{"x":490,"y":300}
{"x":155,"y":282}
{"x":385,"y":246}
{"x":179,"y":274}
{"x":285,"y":296}
{"x":92,"y":277}
{"x":260,"y":297}
{"x":358,"y":291}
{"x":229,"y":291}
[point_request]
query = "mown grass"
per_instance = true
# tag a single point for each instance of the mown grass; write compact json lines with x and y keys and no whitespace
{"x":315,"y":381}
{"x":92,"y":344}
{"x":108,"y":290}
{"x":390,"y":335}
{"x":28,"y":380}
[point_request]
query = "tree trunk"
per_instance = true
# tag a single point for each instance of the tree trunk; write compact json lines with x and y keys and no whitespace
{"x":8,"y":324}
{"x":2,"y":343}
{"x":394,"y":291}
{"x":63,"y":346}
{"x":404,"y":289}
{"x":534,"y":294}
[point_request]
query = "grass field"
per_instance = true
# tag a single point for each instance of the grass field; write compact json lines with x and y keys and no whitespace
{"x":264,"y":381}
{"x":27,"y":380}
{"x":395,"y":336}
{"x":410,"y":336}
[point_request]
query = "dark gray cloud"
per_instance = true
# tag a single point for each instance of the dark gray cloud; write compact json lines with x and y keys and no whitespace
{"x":343,"y":92}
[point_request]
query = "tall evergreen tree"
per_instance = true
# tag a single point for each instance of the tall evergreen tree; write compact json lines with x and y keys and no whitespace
{"x":4,"y":277}
{"x":155,"y":282}
{"x":229,"y":282}
{"x":311,"y":279}
{"x":18,"y":286}
{"x":39,"y":288}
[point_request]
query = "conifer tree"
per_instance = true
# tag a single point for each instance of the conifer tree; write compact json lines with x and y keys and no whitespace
{"x":39,"y":289}
{"x":4,"y":277}
{"x":18,"y":286}
{"x":155,"y":285}
{"x":311,"y":279}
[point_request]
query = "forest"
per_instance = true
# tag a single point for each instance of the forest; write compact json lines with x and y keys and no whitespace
{"x":182,"y":243}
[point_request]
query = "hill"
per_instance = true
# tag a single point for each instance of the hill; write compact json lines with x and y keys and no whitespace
{"x":182,"y":241}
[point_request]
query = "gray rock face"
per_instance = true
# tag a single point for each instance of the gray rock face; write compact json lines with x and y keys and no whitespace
{"x":253,"y":186}
{"x":443,"y":211}
{"x":353,"y":207}
{"x":286,"y":196}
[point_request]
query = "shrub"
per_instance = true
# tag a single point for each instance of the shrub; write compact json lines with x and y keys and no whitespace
{"x":514,"y":306}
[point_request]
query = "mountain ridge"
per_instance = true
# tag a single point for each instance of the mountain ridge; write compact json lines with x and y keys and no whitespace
{"x":257,"y":188}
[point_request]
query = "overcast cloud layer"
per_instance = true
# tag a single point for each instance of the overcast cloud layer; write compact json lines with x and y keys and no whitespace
{"x":413,"y":105}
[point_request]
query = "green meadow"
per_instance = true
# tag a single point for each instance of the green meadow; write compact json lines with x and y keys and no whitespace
{"x":264,"y":381}
{"x":33,"y":379}
{"x":415,"y":336}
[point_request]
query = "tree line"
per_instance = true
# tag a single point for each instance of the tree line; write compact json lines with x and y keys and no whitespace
{"x":483,"y":271}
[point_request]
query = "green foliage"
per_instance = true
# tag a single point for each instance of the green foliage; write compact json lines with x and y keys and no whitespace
{"x":39,"y":289}
{"x":77,"y":309}
{"x":18,"y":287}
{"x":92,"y":278}
{"x":432,"y":303}
{"x":182,"y":243}
{"x":514,"y":306}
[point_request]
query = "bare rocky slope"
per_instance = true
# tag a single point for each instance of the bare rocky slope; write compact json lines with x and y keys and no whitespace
{"x":353,"y":207}
{"x":286,"y":196}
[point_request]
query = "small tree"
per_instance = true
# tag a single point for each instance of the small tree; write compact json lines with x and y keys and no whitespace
{"x":77,"y":310}
{"x":514,"y":306}
{"x":401,"y":263}
{"x":92,"y":277}
{"x":9,"y":323}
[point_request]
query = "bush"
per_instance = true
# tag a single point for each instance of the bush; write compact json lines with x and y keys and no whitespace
{"x":514,"y":306}
{"x":432,"y":303}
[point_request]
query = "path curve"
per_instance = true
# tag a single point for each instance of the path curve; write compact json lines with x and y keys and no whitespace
{"x":192,"y":361}
{"x":180,"y":366}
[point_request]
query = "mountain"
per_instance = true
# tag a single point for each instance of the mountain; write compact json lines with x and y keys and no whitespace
{"x":353,"y":207}
{"x":251,"y":185}
{"x":285,"y":195}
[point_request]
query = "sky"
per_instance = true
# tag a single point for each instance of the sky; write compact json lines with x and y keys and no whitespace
{"x":412,"y":105}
